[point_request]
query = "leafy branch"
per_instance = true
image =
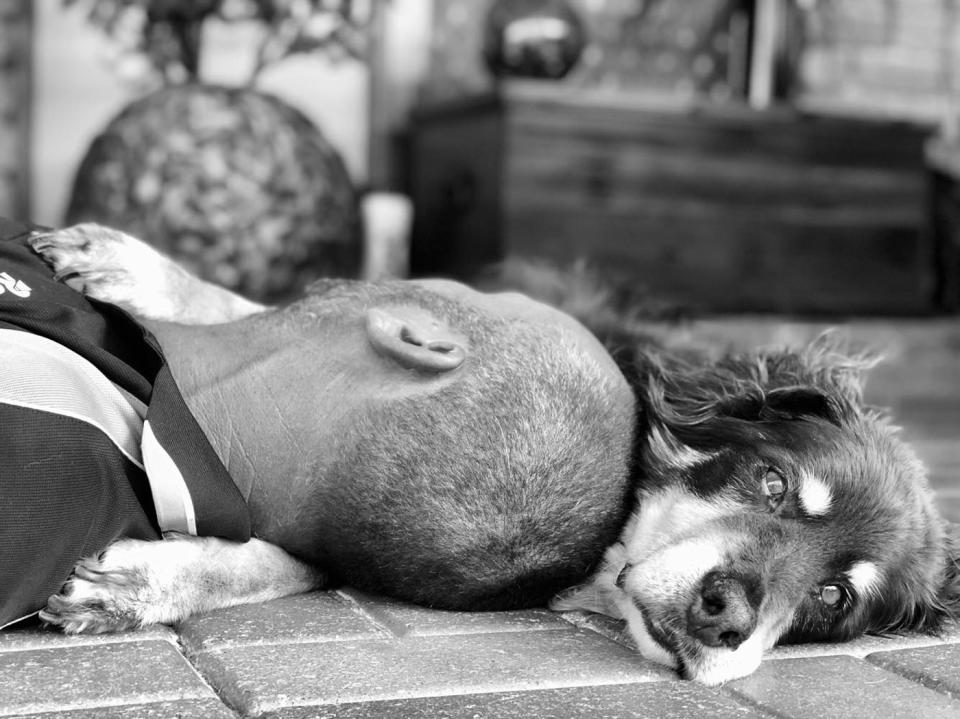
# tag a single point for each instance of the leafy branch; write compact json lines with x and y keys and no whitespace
{"x":168,"y":33}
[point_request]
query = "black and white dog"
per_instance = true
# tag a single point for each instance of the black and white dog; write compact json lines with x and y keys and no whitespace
{"x":772,"y":506}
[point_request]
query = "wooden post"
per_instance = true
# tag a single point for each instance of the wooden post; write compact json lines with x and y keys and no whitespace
{"x":767,"y":21}
{"x":399,"y":58}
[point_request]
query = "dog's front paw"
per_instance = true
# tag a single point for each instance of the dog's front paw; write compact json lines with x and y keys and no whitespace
{"x":104,"y":594}
{"x":91,"y":259}
{"x":110,"y":266}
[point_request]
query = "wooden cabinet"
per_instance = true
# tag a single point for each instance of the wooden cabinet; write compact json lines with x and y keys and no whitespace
{"x":716,"y":209}
{"x":943,"y":159}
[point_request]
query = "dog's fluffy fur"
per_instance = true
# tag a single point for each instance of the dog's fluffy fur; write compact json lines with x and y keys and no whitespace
{"x":773,"y":504}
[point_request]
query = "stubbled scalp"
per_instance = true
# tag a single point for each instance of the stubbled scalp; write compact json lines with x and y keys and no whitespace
{"x":452,"y":499}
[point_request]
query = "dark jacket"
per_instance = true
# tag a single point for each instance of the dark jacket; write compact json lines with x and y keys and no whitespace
{"x":96,"y":442}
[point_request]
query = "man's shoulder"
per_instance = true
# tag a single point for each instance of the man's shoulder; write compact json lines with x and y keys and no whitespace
{"x":33,"y":299}
{"x":23,"y":274}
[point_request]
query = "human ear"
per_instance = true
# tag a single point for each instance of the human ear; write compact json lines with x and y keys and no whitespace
{"x":414,"y":340}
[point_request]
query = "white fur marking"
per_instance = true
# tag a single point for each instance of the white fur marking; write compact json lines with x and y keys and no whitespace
{"x":865,"y":578}
{"x":665,"y":514}
{"x":676,"y":568}
{"x":815,"y":495}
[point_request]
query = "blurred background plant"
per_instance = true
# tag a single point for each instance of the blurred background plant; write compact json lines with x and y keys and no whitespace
{"x":167,"y":35}
{"x":237,"y":184}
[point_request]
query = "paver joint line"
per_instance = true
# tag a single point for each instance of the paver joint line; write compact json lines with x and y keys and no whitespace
{"x":464,"y":690}
{"x":385,"y":624}
{"x":106,"y":703}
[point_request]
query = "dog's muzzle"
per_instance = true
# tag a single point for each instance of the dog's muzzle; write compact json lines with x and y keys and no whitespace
{"x":724,"y":611}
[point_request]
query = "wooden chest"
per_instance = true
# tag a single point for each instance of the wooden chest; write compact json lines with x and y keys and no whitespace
{"x":718,"y":210}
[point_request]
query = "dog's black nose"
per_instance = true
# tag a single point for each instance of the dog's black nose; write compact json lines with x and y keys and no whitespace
{"x":724,"y":612}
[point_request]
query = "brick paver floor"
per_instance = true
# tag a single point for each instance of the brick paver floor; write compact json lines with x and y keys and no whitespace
{"x":344,"y":654}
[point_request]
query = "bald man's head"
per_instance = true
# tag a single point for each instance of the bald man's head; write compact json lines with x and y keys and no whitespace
{"x":493,"y":481}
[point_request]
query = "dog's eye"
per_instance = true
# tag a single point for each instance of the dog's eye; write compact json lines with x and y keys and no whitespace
{"x":832,"y":595}
{"x":774,"y":487}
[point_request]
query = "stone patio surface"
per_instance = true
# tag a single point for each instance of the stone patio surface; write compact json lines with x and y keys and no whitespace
{"x":344,"y":654}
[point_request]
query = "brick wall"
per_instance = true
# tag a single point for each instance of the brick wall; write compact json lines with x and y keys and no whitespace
{"x":15,"y":38}
{"x":894,"y":57}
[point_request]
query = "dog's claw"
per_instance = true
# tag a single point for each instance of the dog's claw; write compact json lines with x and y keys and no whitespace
{"x":54,"y":604}
{"x":85,"y":572}
{"x":65,"y":274}
{"x":39,"y":241}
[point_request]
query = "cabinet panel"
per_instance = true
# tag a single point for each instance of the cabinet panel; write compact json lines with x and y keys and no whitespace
{"x":724,"y":261}
{"x":722,"y":211}
{"x":457,"y":182}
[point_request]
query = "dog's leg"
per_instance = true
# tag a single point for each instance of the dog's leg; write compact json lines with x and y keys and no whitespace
{"x":135,"y":582}
{"x":111,"y":266}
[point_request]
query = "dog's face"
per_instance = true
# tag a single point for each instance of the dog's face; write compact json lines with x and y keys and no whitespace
{"x":787,"y":515}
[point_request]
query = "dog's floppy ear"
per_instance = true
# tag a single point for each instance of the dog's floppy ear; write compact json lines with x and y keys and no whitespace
{"x":788,"y":403}
{"x":803,"y":401}
{"x":837,"y":365}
